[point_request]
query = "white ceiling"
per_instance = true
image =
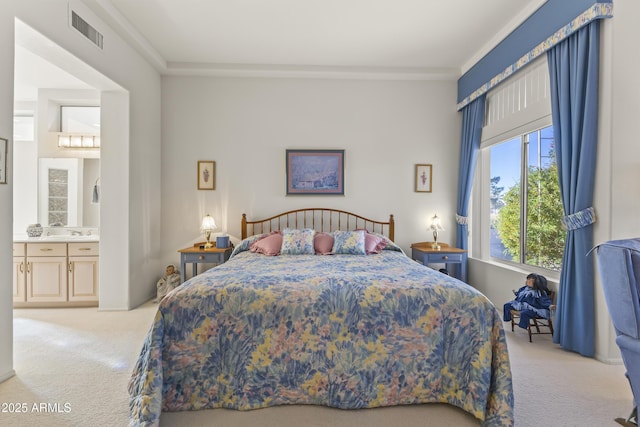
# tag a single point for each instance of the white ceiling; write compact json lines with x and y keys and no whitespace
{"x":402,"y":35}
{"x":418,"y":38}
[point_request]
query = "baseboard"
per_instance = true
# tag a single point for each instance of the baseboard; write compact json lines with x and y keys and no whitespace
{"x":7,"y":375}
{"x":609,"y":360}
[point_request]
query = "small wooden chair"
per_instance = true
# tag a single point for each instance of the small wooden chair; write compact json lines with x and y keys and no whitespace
{"x":537,"y":322}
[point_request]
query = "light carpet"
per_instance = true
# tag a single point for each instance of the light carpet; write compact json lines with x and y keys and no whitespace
{"x":73,"y":365}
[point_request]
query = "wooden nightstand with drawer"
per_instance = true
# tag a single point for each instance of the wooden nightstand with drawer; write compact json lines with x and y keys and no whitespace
{"x":197,"y":254}
{"x":423,"y":252}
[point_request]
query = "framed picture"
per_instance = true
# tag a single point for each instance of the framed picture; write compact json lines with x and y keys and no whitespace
{"x":206,"y":175}
{"x":4,"y":152}
{"x":315,"y":172}
{"x":423,"y":178}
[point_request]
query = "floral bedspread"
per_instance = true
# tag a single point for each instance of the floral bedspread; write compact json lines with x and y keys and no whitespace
{"x":343,"y":331}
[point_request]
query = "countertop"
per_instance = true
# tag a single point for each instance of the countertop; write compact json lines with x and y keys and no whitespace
{"x":56,"y":238}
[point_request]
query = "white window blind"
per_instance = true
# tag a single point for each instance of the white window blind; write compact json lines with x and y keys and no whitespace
{"x":518,"y":102}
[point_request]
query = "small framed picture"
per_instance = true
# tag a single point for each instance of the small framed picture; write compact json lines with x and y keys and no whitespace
{"x":206,"y":175}
{"x":4,"y":152}
{"x":423,"y":178}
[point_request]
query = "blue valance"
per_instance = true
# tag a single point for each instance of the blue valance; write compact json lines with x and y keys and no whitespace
{"x":596,"y":11}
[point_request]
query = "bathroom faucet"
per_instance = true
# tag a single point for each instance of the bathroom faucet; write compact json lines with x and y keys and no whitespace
{"x":76,"y":233}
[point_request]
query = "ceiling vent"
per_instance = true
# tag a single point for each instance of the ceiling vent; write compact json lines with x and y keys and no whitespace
{"x":86,"y":30}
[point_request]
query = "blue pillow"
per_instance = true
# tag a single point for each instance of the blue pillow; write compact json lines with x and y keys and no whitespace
{"x":349,"y":242}
{"x":297,"y":242}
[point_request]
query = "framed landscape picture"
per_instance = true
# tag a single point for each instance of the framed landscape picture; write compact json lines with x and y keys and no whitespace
{"x":423,"y":178}
{"x":206,"y":175}
{"x":315,"y":172}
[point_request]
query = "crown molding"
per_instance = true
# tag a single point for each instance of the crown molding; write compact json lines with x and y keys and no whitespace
{"x":311,"y":72}
{"x":126,"y":30}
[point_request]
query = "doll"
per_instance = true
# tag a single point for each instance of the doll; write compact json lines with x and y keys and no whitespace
{"x":169,"y":281}
{"x":532,"y":300}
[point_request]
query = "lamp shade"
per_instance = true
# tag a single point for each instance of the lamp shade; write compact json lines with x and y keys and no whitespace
{"x":435,"y":223}
{"x":208,"y":223}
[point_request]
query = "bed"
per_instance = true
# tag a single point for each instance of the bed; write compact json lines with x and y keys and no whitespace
{"x":345,"y":330}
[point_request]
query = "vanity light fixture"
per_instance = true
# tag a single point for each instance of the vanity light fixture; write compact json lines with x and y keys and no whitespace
{"x":75,"y":141}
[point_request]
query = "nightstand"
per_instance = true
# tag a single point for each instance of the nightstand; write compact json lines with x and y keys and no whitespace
{"x":198,"y":255}
{"x":450,"y":256}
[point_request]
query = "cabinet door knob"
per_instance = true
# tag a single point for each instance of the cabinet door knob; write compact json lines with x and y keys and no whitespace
{"x":46,"y":249}
{"x":445,"y":257}
{"x":84,"y":249}
{"x":21,"y":266}
{"x":201,"y":257}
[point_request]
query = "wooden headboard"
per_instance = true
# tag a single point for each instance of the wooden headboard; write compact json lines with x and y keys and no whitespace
{"x":319,"y":219}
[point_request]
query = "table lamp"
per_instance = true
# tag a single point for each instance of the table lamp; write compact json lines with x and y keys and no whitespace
{"x":435,"y":226}
{"x":208,"y":225}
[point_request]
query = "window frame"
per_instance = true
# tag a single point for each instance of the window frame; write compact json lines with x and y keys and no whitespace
{"x":480,"y":233}
{"x":517,"y":107}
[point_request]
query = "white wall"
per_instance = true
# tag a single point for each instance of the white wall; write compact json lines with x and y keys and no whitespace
{"x":25,"y":185}
{"x":6,"y":196}
{"x":245,"y":125}
{"x":90,"y":211}
{"x":130,"y":201}
{"x":622,"y":79}
{"x":25,"y":182}
{"x":617,"y":198}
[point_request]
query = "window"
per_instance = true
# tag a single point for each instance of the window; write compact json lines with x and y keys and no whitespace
{"x":516,"y":208}
{"x":80,"y":119}
{"x":525,"y":205}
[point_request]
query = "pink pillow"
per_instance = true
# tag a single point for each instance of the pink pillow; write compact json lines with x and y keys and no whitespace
{"x":268,"y":245}
{"x":323,"y":243}
{"x":374,"y":244}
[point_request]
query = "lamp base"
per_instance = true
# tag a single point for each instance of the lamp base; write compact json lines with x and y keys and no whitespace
{"x":207,"y":235}
{"x":435,"y":244}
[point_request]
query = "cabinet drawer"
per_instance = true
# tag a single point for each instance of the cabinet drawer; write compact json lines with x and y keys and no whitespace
{"x":18,"y":249}
{"x":47,"y":249}
{"x":84,"y":249}
{"x":444,"y":258}
{"x":213,"y":257}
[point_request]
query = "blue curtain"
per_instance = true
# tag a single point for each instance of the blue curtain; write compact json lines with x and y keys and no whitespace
{"x":573,"y":69}
{"x":472,"y":120}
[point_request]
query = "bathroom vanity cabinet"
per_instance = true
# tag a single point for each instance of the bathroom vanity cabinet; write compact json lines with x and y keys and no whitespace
{"x":54,"y":274}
